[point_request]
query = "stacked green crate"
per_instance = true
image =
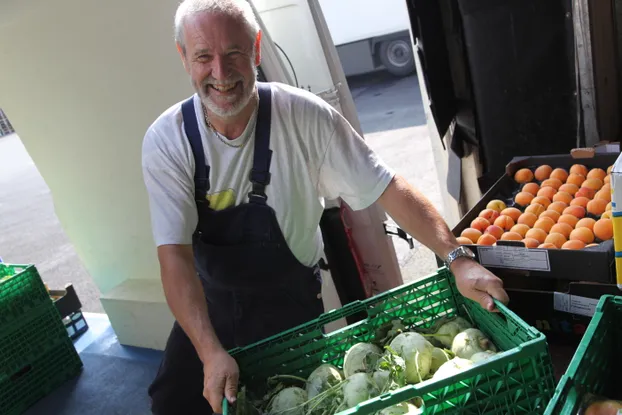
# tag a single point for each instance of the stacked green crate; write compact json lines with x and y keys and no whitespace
{"x":36,"y":355}
{"x":596,"y":367}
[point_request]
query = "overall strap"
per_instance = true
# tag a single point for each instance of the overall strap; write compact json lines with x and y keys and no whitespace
{"x":260,"y":173}
{"x":201,"y":170}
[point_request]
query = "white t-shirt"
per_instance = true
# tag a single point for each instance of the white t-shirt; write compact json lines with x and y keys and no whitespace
{"x":316,"y":155}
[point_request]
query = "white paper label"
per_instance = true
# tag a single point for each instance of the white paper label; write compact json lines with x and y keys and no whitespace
{"x":514,"y":257}
{"x":574,"y":304}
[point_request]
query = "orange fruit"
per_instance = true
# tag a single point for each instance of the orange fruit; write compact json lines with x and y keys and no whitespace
{"x":495,"y":231}
{"x":545,"y":224}
{"x":585,"y":192}
{"x":576,"y":179}
{"x":580,"y":201}
{"x":591,"y":245}
{"x":586,"y":223}
{"x":584,"y":235}
{"x":603,"y":195}
{"x":486,"y":239}
{"x":480,"y":224}
{"x":543,"y":172}
{"x":472,"y":234}
{"x":550,"y":214}
{"x":544,"y":201}
{"x":557,"y":207}
{"x":562,"y":228}
{"x":556,"y":239}
{"x":512,"y":212}
{"x":608,"y":206}
{"x":559,"y":174}
{"x":596,"y":173}
{"x":568,"y":219}
{"x":547,"y":192}
{"x":489,"y":214}
{"x":606,"y":215}
{"x":547,"y":246}
{"x":535,"y":208}
{"x":603,"y":229}
{"x":609,"y":169}
{"x":523,"y":198}
{"x":607,"y":179}
{"x":569,"y":188}
{"x":523,"y":176}
{"x":464,"y":241}
{"x":528,"y":219}
{"x":606,"y":188}
{"x":555,"y":183}
{"x":504,"y":222}
{"x":520,"y":229}
{"x":531,"y":188}
{"x":597,"y":206}
{"x":579,"y":169}
{"x":577,"y":211}
{"x":562,"y":197}
{"x":531,"y":243}
{"x":573,"y":245}
{"x":536,"y":233}
{"x":593,"y":183}
{"x":511,"y":236}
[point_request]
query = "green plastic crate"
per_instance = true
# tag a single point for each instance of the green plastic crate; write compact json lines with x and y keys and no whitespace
{"x":595,"y":367}
{"x":39,"y":378}
{"x":21,"y":289}
{"x":517,"y":381}
{"x":29,"y":336}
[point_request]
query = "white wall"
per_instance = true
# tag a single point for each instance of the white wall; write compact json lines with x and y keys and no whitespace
{"x":81,"y":81}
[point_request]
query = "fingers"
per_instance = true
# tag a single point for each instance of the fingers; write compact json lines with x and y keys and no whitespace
{"x":213,"y":391}
{"x":231,"y":388}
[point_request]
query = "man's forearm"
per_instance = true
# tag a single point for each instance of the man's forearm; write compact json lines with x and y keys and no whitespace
{"x":185,"y":297}
{"x":414,"y":213}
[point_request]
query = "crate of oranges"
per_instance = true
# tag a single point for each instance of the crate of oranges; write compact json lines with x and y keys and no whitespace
{"x":549,"y":216}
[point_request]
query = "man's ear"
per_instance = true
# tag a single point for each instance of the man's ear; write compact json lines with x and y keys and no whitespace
{"x":182,"y":55}
{"x":258,"y":49}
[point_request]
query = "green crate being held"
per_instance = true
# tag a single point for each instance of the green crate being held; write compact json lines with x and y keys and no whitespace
{"x":591,"y":384}
{"x":21,"y":289}
{"x":505,"y":368}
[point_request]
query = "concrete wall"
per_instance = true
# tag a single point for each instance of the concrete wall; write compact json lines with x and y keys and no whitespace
{"x":82,"y":81}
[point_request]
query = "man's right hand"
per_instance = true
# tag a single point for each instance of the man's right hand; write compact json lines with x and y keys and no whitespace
{"x":221,"y":374}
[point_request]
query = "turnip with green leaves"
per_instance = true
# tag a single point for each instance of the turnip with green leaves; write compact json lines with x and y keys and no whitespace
{"x":361,"y":357}
{"x":448,"y":331}
{"x":452,"y":368}
{"x":358,"y":388}
{"x":390,"y":372}
{"x":471,"y":341}
{"x":289,"y":401}
{"x":321,"y":379}
{"x":439,"y":356}
{"x":416,"y":352}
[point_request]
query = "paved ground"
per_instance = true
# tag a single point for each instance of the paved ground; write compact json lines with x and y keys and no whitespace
{"x":394,"y":124}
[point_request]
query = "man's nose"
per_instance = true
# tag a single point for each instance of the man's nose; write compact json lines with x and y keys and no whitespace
{"x":220,"y":67}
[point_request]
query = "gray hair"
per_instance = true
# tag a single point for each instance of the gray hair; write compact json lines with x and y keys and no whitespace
{"x":235,"y":8}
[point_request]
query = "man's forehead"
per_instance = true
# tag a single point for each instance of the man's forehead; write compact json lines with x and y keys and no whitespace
{"x":207,"y":26}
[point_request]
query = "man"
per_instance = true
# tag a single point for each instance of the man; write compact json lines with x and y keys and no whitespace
{"x":236,"y":176}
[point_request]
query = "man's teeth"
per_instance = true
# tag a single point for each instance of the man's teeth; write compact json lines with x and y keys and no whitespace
{"x":224,"y":88}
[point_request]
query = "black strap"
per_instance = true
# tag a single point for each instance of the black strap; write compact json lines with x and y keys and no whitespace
{"x":260,"y":173}
{"x":201,"y":170}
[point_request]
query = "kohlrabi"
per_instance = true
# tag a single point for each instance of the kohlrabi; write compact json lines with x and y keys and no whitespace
{"x":469,"y":342}
{"x":416,"y":352}
{"x":361,"y":357}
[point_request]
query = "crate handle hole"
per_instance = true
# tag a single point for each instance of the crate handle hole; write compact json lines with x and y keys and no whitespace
{"x":21,"y":373}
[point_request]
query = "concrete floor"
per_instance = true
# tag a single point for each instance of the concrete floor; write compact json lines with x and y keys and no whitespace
{"x":392,"y":118}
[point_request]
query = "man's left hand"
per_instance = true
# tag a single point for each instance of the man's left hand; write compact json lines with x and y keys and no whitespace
{"x":478,"y":284}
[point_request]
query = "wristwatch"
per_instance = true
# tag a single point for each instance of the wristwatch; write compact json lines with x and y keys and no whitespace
{"x":459,"y":252}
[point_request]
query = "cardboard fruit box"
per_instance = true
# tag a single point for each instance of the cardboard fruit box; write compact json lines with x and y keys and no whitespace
{"x":594,"y":263}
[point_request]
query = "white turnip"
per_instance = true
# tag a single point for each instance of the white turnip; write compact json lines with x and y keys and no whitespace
{"x":416,"y":352}
{"x":469,"y":342}
{"x":289,"y":401}
{"x":361,"y":357}
{"x":358,"y":388}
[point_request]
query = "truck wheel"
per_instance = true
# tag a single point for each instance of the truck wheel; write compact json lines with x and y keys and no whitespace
{"x":397,"y":56}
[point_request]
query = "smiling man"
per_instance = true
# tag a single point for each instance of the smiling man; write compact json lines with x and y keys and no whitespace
{"x":236,"y":176}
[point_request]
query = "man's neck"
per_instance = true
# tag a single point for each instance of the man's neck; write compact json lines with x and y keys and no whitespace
{"x":233,"y":127}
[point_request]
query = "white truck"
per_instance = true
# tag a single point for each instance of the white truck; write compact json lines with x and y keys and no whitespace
{"x":367,"y":38}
